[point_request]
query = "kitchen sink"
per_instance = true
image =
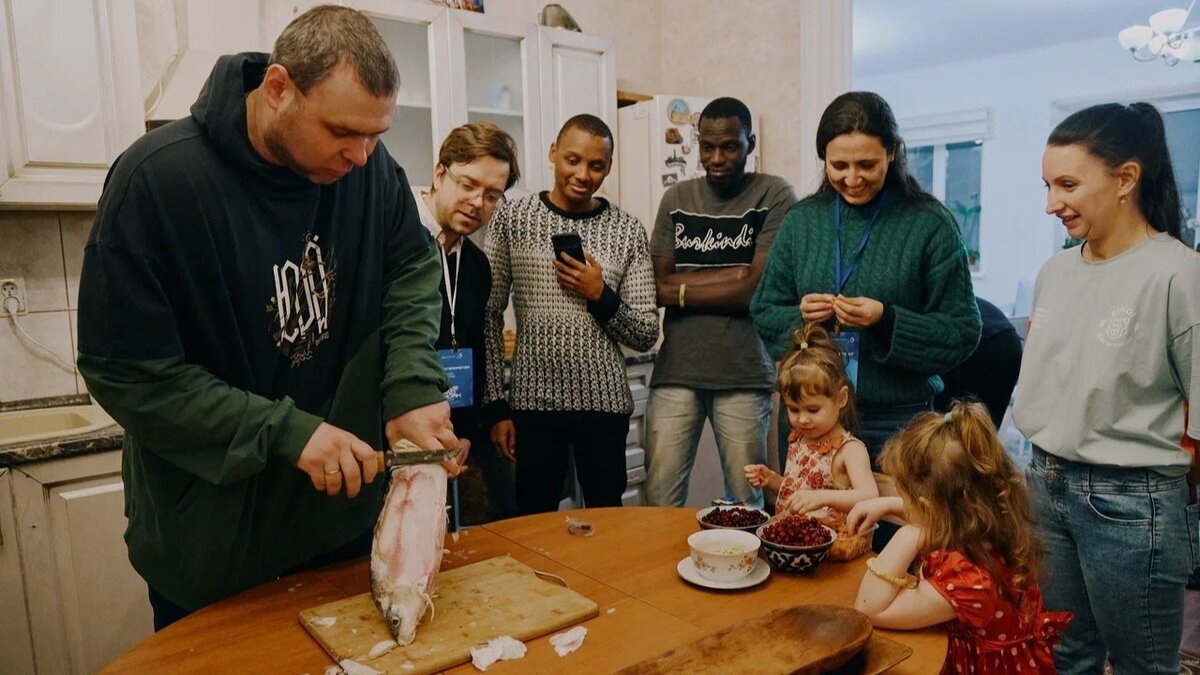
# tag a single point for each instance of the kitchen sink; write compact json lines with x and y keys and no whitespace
{"x":47,"y":423}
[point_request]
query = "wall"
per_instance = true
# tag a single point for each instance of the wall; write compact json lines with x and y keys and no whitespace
{"x":46,"y":249}
{"x":1016,"y":235}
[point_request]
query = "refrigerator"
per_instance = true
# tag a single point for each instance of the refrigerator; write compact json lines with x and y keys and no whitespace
{"x":658,"y":146}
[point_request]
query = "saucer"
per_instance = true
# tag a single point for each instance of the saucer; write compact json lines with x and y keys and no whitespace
{"x":687,"y":570}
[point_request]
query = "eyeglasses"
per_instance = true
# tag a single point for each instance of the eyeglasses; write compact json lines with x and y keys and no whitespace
{"x":468,"y":188}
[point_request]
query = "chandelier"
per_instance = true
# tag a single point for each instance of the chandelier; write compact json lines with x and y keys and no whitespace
{"x":1164,"y":38}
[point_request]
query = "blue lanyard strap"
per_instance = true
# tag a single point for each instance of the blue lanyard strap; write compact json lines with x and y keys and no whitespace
{"x":840,"y":278}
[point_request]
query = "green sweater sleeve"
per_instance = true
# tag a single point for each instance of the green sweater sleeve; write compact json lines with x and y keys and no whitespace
{"x":194,"y":420}
{"x":775,"y":307}
{"x":412,"y":315}
{"x":944,"y":329}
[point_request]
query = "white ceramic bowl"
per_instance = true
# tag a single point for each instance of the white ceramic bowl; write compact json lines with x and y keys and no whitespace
{"x":723,"y":555}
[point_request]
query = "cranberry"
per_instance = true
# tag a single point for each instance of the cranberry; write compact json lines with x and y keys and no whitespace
{"x":735,"y":517}
{"x":796,"y":531}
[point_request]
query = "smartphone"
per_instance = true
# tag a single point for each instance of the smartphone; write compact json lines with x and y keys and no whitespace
{"x":570,"y":243}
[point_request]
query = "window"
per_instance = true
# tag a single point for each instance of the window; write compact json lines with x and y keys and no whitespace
{"x":951,"y":172}
{"x":945,"y":154}
{"x":1183,"y":141}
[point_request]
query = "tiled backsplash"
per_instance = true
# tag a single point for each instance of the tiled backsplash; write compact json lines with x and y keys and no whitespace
{"x":46,"y":249}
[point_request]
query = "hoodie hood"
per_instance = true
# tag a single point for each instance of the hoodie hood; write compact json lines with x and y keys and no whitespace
{"x":220,"y":112}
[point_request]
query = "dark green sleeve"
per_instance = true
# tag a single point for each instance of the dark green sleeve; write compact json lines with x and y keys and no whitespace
{"x":775,"y":307}
{"x":412,"y":313}
{"x":943,"y":329}
{"x":194,"y":420}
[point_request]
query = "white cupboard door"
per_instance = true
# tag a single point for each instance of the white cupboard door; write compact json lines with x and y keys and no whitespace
{"x":494,"y":68}
{"x":578,"y":74}
{"x":87,"y":604}
{"x":416,"y":34}
{"x":16,"y":646}
{"x":69,"y":87}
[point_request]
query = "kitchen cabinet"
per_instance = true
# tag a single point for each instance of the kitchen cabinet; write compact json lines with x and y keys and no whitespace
{"x":16,"y":647}
{"x":458,"y":67}
{"x":86,"y":604}
{"x":578,"y":75}
{"x":69,"y":98}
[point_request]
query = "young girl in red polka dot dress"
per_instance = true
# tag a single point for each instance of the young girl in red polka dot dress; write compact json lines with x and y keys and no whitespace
{"x":970,"y":532}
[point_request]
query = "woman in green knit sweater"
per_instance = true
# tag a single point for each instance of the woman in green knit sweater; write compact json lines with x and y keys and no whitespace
{"x":875,"y":257}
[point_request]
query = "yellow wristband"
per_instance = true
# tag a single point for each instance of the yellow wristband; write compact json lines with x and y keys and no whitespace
{"x":682,"y":287}
{"x":907,"y":581}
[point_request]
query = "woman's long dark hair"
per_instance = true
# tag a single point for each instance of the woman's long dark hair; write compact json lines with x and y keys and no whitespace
{"x":1115,"y":133}
{"x":867,"y":113}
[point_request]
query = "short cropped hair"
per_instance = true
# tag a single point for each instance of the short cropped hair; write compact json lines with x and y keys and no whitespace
{"x":589,"y":123}
{"x":317,"y":41}
{"x":727,"y":106}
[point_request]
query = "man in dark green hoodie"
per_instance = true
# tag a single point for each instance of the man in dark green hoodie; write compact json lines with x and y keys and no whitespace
{"x":258,"y":309}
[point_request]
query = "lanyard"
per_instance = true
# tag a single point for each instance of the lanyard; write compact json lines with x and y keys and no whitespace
{"x":451,"y":293}
{"x":840,"y":278}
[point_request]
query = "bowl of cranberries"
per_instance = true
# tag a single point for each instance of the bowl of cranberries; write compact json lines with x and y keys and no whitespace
{"x":796,"y":543}
{"x":731,"y":518}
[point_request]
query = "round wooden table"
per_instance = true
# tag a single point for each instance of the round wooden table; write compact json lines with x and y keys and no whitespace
{"x":627,"y":567}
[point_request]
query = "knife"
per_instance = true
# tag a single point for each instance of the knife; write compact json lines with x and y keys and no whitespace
{"x":391,"y":459}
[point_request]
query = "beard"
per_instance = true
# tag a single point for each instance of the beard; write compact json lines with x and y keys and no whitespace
{"x":275,"y":139}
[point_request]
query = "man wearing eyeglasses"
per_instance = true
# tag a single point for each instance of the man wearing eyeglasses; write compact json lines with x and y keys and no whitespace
{"x":476,"y":164}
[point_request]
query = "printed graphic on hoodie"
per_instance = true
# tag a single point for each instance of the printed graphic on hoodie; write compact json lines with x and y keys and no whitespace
{"x":302,"y":303}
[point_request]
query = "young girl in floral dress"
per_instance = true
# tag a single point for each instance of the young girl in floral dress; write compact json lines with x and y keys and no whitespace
{"x":971,"y":532}
{"x":828,"y":470}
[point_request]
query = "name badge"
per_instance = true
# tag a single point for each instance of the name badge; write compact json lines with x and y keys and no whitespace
{"x":848,"y":344}
{"x":460,"y":372}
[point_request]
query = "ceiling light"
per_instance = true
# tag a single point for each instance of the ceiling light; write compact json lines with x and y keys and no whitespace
{"x":1164,"y":38}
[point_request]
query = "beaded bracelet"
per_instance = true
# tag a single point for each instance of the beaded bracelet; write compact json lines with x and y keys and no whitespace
{"x":907,"y":581}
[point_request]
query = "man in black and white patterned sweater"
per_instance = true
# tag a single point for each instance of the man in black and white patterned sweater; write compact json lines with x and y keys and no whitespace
{"x":568,"y":372}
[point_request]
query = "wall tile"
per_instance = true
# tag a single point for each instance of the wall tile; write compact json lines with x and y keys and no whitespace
{"x":26,"y":374}
{"x":80,"y":387}
{"x":31,"y":247}
{"x":76,"y":226}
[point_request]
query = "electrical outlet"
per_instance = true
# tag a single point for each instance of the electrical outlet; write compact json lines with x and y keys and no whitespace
{"x":13,"y":288}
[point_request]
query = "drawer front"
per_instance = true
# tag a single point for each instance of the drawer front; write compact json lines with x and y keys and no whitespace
{"x":634,"y":456}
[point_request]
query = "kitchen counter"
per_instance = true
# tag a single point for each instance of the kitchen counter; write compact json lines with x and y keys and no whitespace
{"x":627,"y":568}
{"x":25,"y":452}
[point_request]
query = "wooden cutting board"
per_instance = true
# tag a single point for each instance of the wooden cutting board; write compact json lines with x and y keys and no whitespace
{"x":798,"y":640}
{"x":474,"y":603}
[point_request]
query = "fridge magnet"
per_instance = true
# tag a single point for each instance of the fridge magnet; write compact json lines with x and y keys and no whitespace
{"x":669,"y":179}
{"x":676,"y":161}
{"x":694,"y":119}
{"x":677,"y":111}
{"x":673,"y":136}
{"x":686,"y":148}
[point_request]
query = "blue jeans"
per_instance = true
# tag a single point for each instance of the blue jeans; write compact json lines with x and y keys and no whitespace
{"x":1120,"y":543}
{"x":877,"y":425}
{"x":674,"y":419}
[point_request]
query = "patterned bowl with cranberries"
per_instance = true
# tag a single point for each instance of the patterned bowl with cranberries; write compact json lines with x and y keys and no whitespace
{"x":795,"y":544}
{"x":731,"y":518}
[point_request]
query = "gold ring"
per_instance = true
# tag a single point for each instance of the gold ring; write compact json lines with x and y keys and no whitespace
{"x":330,"y":472}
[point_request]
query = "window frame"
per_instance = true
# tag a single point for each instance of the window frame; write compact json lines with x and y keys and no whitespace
{"x":940,"y":130}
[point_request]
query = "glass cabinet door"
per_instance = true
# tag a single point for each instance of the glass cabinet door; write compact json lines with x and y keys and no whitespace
{"x":410,"y":138}
{"x":414,"y":31}
{"x":493,"y":66}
